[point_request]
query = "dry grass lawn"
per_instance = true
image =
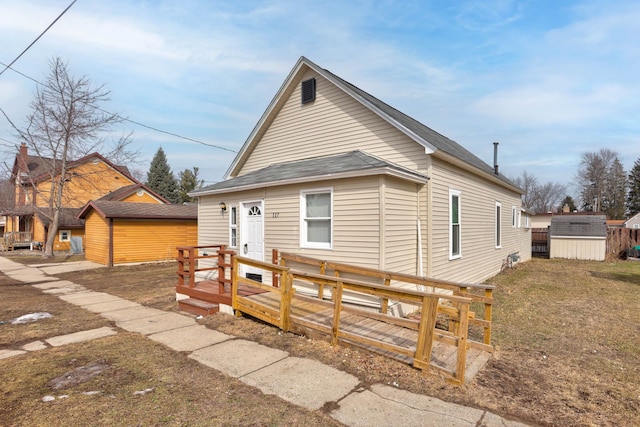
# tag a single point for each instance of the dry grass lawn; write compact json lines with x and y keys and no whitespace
{"x":567,"y":338}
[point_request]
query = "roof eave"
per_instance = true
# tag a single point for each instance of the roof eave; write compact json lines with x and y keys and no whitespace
{"x":466,"y":166}
{"x":418,"y":179}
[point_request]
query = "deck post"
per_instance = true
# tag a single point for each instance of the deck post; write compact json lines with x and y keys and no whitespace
{"x":285,"y":300}
{"x":192,"y":267}
{"x":488,"y":313}
{"x":274,"y":274}
{"x":384,"y":307}
{"x":323,"y":269}
{"x":462,"y":341}
{"x":337,"y":308}
{"x":424,"y":344}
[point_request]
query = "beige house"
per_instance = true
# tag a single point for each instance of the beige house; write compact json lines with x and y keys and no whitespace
{"x":633,"y":222}
{"x":332,"y":172}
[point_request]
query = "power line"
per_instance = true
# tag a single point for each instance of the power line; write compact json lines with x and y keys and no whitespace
{"x":127,"y":119}
{"x":37,"y":38}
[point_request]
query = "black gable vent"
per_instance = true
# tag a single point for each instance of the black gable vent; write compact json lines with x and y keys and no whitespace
{"x":308,"y":91}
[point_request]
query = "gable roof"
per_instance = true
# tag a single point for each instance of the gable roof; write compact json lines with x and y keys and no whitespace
{"x":578,"y":226}
{"x":433,"y":142}
{"x":38,"y":166}
{"x":126,"y":191}
{"x":114,"y":209}
{"x":354,"y":163}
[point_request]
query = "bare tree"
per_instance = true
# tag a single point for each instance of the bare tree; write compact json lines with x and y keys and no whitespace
{"x":602,"y":182}
{"x":527,"y":182}
{"x":539,"y":197}
{"x":67,"y":122}
{"x":547,"y":197}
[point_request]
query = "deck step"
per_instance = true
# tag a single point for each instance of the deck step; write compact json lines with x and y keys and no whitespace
{"x":198,"y":307}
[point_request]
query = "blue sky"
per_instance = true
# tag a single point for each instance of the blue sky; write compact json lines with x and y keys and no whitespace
{"x":547,"y":79}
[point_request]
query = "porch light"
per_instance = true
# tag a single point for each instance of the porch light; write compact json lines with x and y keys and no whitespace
{"x":223,"y":207}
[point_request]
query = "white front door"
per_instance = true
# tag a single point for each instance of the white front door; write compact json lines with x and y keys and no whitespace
{"x":252,"y":235}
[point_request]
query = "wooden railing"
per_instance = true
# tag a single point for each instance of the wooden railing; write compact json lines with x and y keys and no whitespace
{"x":426,"y":326}
{"x":480,"y":295}
{"x":189,"y":263}
{"x":284,"y":292}
{"x":13,"y":237}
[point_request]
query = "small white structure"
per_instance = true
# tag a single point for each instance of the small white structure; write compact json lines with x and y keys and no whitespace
{"x":633,"y":222}
{"x":578,"y":237}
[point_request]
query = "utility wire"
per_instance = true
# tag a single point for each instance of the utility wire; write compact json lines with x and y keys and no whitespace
{"x":127,"y":119}
{"x":37,"y":38}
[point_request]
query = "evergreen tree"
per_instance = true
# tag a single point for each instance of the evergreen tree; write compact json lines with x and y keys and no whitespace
{"x":613,"y":202}
{"x":603,"y":183}
{"x":160,"y":178}
{"x":187,"y":182}
{"x":568,"y":201}
{"x":633,"y":199}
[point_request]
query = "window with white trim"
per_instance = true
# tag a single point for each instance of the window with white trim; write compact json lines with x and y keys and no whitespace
{"x":455,"y":248}
{"x":64,"y":235}
{"x":498,"y":226}
{"x":519,"y":219}
{"x":316,"y":218}
{"x":636,"y":225}
{"x":233,"y":227}
{"x":514,"y":217}
{"x":526,"y":221}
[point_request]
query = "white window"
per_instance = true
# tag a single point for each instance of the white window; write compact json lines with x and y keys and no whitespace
{"x":498,"y":226}
{"x":233,"y":227}
{"x":519,"y":219}
{"x":526,"y":221}
{"x":316,"y":212}
{"x":455,"y":249}
{"x":64,"y":235}
{"x":514,"y":217}
{"x":636,"y":225}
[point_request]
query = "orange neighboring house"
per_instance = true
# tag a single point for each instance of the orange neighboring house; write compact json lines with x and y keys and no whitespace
{"x":89,"y":178}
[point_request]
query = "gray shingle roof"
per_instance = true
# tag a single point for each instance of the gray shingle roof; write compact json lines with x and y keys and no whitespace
{"x":440,"y":142}
{"x":114,"y":209}
{"x":317,"y":167}
{"x":578,"y":226}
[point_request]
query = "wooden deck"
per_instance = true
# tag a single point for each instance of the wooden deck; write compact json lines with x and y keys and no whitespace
{"x":314,"y":318}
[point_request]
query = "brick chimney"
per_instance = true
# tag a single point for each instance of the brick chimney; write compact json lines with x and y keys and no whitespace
{"x":23,"y":159}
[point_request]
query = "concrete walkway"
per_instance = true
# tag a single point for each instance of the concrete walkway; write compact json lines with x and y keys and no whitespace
{"x":303,"y":382}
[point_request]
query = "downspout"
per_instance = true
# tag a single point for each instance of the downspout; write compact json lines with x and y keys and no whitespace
{"x":110,"y":260}
{"x":382,"y":223}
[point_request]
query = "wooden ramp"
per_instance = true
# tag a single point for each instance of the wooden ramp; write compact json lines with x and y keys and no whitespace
{"x":450,"y":333}
{"x":312,"y":317}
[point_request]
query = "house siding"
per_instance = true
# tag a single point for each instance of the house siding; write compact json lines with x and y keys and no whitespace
{"x":333,"y":123}
{"x":88,"y":181}
{"x":96,"y":240}
{"x":480,"y":258}
{"x":593,"y":249}
{"x":151,"y":240}
{"x":400,"y":226}
{"x":144,"y":198}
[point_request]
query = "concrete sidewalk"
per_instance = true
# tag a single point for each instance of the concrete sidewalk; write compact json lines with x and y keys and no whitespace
{"x":303,"y":382}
